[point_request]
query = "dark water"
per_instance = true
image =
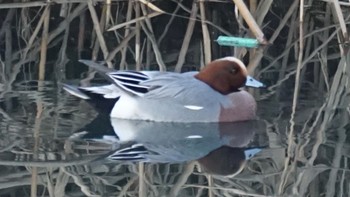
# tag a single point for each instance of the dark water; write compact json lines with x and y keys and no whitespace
{"x":40,"y":155}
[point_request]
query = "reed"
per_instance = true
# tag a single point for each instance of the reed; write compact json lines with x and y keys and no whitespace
{"x":304,"y":51}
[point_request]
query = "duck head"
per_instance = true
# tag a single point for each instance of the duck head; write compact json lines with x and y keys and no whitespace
{"x":227,"y":75}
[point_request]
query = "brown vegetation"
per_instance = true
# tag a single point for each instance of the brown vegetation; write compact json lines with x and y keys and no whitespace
{"x":304,"y":45}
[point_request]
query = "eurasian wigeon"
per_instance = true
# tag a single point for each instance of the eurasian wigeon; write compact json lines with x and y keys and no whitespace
{"x":211,"y":95}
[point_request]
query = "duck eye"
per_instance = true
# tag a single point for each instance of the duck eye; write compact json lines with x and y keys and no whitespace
{"x":233,"y":71}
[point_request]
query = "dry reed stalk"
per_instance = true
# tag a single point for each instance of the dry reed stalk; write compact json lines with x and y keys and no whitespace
{"x":310,"y":129}
{"x":285,"y":59}
{"x":305,"y":178}
{"x":343,"y":181}
{"x":95,"y":35}
{"x":291,"y":10}
{"x":149,"y":173}
{"x":149,"y":54}
{"x":332,"y":102}
{"x":324,"y":51}
{"x":34,"y":182}
{"x":129,"y":22}
{"x":319,"y":48}
{"x":250,"y":21}
{"x":240,"y":22}
{"x":202,"y":64}
{"x":339,"y":2}
{"x":291,"y":142}
{"x":253,"y":6}
{"x":22,"y":5}
{"x":8,"y":46}
{"x":108,"y":12}
{"x":142,"y":185}
{"x":278,"y":83}
{"x":161,"y":37}
{"x":147,"y":20}
{"x":50,"y":184}
{"x":210,"y":185}
{"x":324,"y":73}
{"x":36,"y":134}
{"x":97,"y":27}
{"x":122,"y":64}
{"x":187,"y":171}
{"x":208,"y":22}
{"x":252,"y":9}
{"x":81,"y":34}
{"x":122,"y":45}
{"x":6,"y":22}
{"x":35,"y":33}
{"x":310,"y":26}
{"x":253,"y":63}
{"x":144,"y":46}
{"x":62,"y":57}
{"x":137,"y":38}
{"x":147,"y":28}
{"x":34,"y":52}
{"x":80,"y":182}
{"x":340,"y":19}
{"x":338,"y":155}
{"x":205,"y":33}
{"x":62,"y":181}
{"x":126,"y":187}
{"x":64,"y":10}
{"x":25,"y":20}
{"x":324,"y":43}
{"x":262,"y":10}
{"x":233,"y":191}
{"x":151,"y":6}
{"x":255,"y":60}
{"x":53,"y":34}
{"x":41,"y":3}
{"x":187,"y":38}
{"x":44,"y":43}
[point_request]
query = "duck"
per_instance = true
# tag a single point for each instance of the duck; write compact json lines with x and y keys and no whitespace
{"x":213,"y":94}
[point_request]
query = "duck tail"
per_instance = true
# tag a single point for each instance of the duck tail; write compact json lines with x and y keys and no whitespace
{"x":75,"y":91}
{"x":96,"y":99}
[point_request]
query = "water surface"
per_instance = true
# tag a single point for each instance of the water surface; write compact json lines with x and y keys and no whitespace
{"x":39,"y":151}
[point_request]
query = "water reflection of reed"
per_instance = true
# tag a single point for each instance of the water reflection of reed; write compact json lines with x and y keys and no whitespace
{"x":315,"y":162}
{"x":262,"y":175}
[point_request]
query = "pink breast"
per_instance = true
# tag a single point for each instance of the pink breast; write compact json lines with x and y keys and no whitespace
{"x":243,"y":108}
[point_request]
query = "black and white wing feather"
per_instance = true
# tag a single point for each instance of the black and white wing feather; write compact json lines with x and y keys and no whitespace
{"x":130,"y":81}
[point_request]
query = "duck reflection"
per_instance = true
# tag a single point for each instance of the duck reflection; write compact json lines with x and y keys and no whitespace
{"x":226,"y":160}
{"x":219,"y":148}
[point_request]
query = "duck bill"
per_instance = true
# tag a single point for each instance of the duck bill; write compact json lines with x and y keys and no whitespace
{"x":251,"y":82}
{"x":250,"y":152}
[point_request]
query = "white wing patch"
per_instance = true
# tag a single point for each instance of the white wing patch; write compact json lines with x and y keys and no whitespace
{"x":193,"y":107}
{"x":108,"y":91}
{"x":194,"y":137}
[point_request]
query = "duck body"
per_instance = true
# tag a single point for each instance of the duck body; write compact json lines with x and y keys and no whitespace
{"x":191,"y":105}
{"x":174,"y":97}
